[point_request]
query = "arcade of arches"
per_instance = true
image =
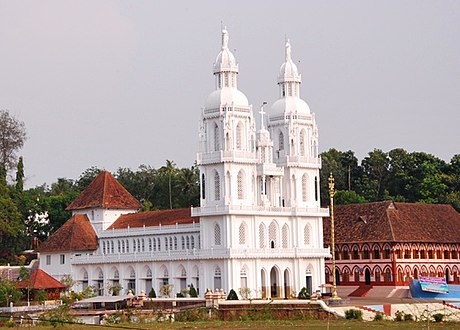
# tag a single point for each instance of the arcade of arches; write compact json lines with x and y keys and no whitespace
{"x":393,"y":264}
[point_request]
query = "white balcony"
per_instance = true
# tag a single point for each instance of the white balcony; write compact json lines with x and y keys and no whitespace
{"x":226,"y":156}
{"x":259,"y":210}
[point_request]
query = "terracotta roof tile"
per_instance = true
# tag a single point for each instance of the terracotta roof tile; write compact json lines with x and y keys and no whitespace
{"x":394,"y":222}
{"x":76,"y":234}
{"x":40,"y":279}
{"x":106,"y":192}
{"x":155,"y":218}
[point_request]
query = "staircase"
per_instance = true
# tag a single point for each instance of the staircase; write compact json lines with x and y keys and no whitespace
{"x":361,"y":291}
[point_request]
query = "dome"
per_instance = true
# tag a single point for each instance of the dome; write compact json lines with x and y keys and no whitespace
{"x":288,"y":70}
{"x":226,"y":95}
{"x":290,"y":104}
{"x":225,"y":60}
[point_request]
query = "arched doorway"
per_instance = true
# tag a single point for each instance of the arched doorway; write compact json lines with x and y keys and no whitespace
{"x":274,"y":283}
{"x":287,"y":284}
{"x":263,"y":281}
{"x":337,"y":277}
{"x":416,"y":273}
{"x":367,"y":276}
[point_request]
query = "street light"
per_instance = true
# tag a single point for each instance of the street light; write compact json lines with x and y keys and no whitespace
{"x":331,"y":209}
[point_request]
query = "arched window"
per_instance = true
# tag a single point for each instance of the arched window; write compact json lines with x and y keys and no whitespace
{"x":240,"y":184}
{"x":285,"y":236}
{"x":216,"y":137}
{"x":103,"y":247}
{"x":355,"y":252}
{"x":217,"y":235}
{"x":281,"y":141}
{"x":302,"y":143}
{"x":192,"y":242}
{"x":273,"y":234}
{"x":262,"y":243}
{"x":376,"y":252}
{"x":307,"y":234}
{"x":183,"y":242}
{"x":366,"y":254}
{"x":242,"y":233}
{"x":316,"y":188}
{"x":203,"y":184}
{"x":187,"y":239}
{"x":239,"y":136}
{"x":216,"y":186}
{"x":150,"y":244}
{"x":175,"y":243}
{"x":304,"y":187}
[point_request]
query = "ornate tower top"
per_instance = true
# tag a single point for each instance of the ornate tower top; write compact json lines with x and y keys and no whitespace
{"x":225,"y":60}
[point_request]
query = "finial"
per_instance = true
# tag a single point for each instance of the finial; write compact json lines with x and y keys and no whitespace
{"x":262,"y":113}
{"x":331,"y":185}
{"x":224,"y":38}
{"x":288,"y":50}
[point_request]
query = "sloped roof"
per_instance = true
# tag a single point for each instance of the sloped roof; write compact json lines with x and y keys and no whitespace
{"x":40,"y":279}
{"x":76,"y":234}
{"x":105,"y":192}
{"x":155,"y":218}
{"x":394,"y":222}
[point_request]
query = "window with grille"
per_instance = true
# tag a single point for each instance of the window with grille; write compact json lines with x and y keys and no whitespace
{"x":302,"y":142}
{"x":239,"y":136}
{"x":307,"y":234}
{"x":175,"y":243}
{"x":262,"y":243}
{"x":216,"y":186}
{"x":242,"y":233}
{"x":216,"y":138}
{"x":116,"y":274}
{"x":304,"y":187}
{"x":272,"y":234}
{"x":240,"y":184}
{"x":192,"y":242}
{"x":150,"y":244}
{"x":112,"y":247}
{"x":183,"y":242}
{"x":281,"y":141}
{"x":285,"y":236}
{"x":103,"y":247}
{"x":127,"y":245}
{"x":188,"y":242}
{"x":154,"y":243}
{"x":217,"y":235}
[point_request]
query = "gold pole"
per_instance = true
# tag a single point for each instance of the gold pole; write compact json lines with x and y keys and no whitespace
{"x":331,"y":209}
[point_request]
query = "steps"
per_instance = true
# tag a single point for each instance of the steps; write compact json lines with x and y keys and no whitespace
{"x":362,"y":291}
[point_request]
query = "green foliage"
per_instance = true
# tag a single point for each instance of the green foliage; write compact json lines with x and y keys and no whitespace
{"x":114,"y":288}
{"x":20,"y":175}
{"x":232,"y":295}
{"x":166,"y":289}
{"x":12,"y":138}
{"x":58,"y":316}
{"x":304,"y":294}
{"x":152,"y":293}
{"x":343,"y":197}
{"x":401,"y":316}
{"x":438,"y":317}
{"x":378,"y":317}
{"x":9,"y":293}
{"x":41,"y":296}
{"x":193,"y":292}
{"x":354,"y":314}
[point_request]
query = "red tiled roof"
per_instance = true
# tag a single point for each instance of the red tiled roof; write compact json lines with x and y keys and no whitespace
{"x":105,"y":192}
{"x":76,"y":234}
{"x":394,"y":222}
{"x":39,"y":279}
{"x":155,"y":218}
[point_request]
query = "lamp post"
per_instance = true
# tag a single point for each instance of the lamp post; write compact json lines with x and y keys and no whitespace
{"x":331,"y":209}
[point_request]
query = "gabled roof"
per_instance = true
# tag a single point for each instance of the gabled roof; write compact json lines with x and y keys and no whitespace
{"x":394,"y":222}
{"x":40,"y":279}
{"x":76,"y":234}
{"x":155,"y":218}
{"x":104,"y":192}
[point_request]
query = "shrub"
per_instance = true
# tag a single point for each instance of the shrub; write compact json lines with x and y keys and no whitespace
{"x":354,"y":314}
{"x":232,"y":295}
{"x":378,"y":317}
{"x":408,"y":317}
{"x":399,"y":316}
{"x":152,"y":293}
{"x":180,"y":295}
{"x":304,"y":294}
{"x":438,"y":317}
{"x":193,"y":292}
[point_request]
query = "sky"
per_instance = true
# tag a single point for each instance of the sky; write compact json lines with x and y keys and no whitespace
{"x":122,"y":83}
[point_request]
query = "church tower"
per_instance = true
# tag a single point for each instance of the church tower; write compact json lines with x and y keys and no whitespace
{"x":295,"y":134}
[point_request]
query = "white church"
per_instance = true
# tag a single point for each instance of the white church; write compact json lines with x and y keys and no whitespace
{"x":259,"y":224}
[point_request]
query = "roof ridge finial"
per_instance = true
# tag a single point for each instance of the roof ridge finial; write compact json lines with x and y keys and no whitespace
{"x":288,"y":50}
{"x":224,"y":38}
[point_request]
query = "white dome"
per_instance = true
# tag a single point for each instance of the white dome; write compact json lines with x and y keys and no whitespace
{"x":225,"y":61}
{"x":288,"y":72}
{"x":226,"y":95}
{"x":290,"y":104}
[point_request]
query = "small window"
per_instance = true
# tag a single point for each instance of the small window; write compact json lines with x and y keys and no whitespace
{"x":62,"y":259}
{"x":48,"y":259}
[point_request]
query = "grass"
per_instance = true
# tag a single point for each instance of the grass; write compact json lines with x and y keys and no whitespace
{"x":271,"y":324}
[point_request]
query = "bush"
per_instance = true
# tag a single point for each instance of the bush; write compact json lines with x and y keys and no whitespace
{"x":438,"y":317}
{"x":378,"y":317}
{"x":399,"y":316}
{"x":408,"y":317}
{"x":152,"y":293}
{"x":193,"y":292}
{"x":232,"y":295}
{"x":180,"y":295}
{"x":304,"y":294}
{"x":354,"y":314}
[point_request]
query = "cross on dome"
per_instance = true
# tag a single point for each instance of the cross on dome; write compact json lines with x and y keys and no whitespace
{"x":262,"y":113}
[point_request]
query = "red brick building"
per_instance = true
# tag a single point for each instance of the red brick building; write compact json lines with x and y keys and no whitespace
{"x":389,"y":243}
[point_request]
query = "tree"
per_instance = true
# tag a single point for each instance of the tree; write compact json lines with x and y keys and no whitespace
{"x":152,"y":293}
{"x":166,"y":289}
{"x":68,"y":281}
{"x":193,"y":292}
{"x":232,"y":295}
{"x":9,"y":293}
{"x":20,"y":176}
{"x":343,"y":197}
{"x":11,"y":227}
{"x":12,"y":137}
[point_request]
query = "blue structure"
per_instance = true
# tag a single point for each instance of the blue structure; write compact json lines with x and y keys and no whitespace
{"x":417,"y":292}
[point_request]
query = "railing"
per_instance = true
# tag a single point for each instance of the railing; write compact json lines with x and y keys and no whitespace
{"x":160,"y":229}
{"x":228,"y":155}
{"x":203,"y":254}
{"x":242,"y":209}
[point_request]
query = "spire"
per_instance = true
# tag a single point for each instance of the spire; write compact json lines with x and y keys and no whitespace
{"x":224,"y":38}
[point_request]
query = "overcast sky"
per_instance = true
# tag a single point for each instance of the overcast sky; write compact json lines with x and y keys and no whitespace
{"x":122,"y":83}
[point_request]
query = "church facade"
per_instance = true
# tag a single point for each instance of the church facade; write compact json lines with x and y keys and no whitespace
{"x":259,"y":224}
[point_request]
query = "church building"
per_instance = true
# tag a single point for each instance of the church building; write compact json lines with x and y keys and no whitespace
{"x":259,"y":224}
